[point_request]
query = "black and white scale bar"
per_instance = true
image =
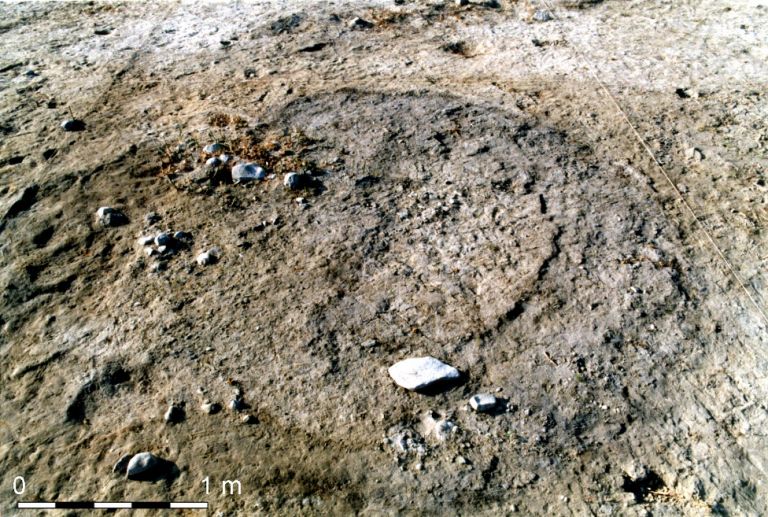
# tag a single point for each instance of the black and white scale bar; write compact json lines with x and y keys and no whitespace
{"x":103,"y":505}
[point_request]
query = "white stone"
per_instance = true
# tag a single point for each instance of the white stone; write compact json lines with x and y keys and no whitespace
{"x":542,"y":15}
{"x":149,"y":251}
{"x":418,"y":373}
{"x":482,"y":402}
{"x":247,"y":172}
{"x":147,"y":241}
{"x":142,"y":463}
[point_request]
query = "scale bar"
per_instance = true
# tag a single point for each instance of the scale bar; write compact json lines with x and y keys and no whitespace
{"x":107,"y":505}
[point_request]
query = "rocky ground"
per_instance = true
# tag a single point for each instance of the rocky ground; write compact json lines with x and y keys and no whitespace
{"x":565,"y":200}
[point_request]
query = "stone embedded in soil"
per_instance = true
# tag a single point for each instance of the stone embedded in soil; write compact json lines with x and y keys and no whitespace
{"x":237,"y":404}
{"x":142,"y":464}
{"x":151,"y":218}
{"x":146,"y":241}
{"x":418,"y":373}
{"x":483,"y":402}
{"x":181,"y":236}
{"x":174,"y":414}
{"x":122,"y":464}
{"x":73,"y":125}
{"x":213,"y":148}
{"x":249,"y":419}
{"x":292,"y":180}
{"x":243,"y":172}
{"x":542,"y":15}
{"x":213,"y":162}
{"x":110,"y":217}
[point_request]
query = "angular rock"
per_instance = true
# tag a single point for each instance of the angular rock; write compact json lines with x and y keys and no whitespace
{"x":243,"y":172}
{"x":420,"y":373}
{"x":110,"y":217}
{"x":483,"y":402}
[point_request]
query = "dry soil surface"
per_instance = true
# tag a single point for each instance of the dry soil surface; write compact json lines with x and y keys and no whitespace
{"x":572,"y":212}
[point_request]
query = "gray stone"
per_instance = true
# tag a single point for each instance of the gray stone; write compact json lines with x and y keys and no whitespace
{"x":418,"y":373}
{"x":237,"y":404}
{"x":243,"y":172}
{"x":292,"y":180}
{"x":182,"y":236}
{"x":146,"y":241}
{"x":212,"y":163}
{"x":142,"y":464}
{"x":151,"y":218}
{"x":542,"y":15}
{"x":483,"y":402}
{"x":110,"y":217}
{"x":163,"y":239}
{"x":213,"y":148}
{"x":149,"y":251}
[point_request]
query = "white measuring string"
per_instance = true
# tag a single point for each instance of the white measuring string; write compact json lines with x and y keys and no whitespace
{"x":591,"y":69}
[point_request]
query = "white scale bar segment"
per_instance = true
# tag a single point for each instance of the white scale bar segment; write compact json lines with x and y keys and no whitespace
{"x":200,"y":506}
{"x":111,"y":505}
{"x":37,"y":506}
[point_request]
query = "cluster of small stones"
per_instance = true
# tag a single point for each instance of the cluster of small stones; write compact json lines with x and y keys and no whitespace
{"x":220,"y":165}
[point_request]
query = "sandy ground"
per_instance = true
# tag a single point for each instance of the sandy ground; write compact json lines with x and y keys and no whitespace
{"x":569,"y":211}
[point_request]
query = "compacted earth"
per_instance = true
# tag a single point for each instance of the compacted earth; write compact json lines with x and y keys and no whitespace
{"x":564,"y":200}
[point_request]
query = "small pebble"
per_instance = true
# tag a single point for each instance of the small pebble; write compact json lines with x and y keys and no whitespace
{"x":371,"y":343}
{"x":248,"y":419}
{"x":225,"y":158}
{"x":174,"y":414}
{"x":542,"y":15}
{"x":149,"y":251}
{"x":147,"y":241}
{"x":359,"y":23}
{"x":181,"y":236}
{"x":151,"y":218}
{"x":157,"y":267}
{"x":165,"y":250}
{"x":292,"y":180}
{"x":482,"y":402}
{"x":210,"y":408}
{"x":73,"y":125}
{"x":213,"y":148}
{"x":212,"y":162}
{"x":208,"y":257}
{"x":237,"y":404}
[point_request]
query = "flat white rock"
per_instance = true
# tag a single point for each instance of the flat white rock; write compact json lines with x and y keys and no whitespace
{"x":482,"y":402}
{"x":247,"y":172}
{"x":418,"y":373}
